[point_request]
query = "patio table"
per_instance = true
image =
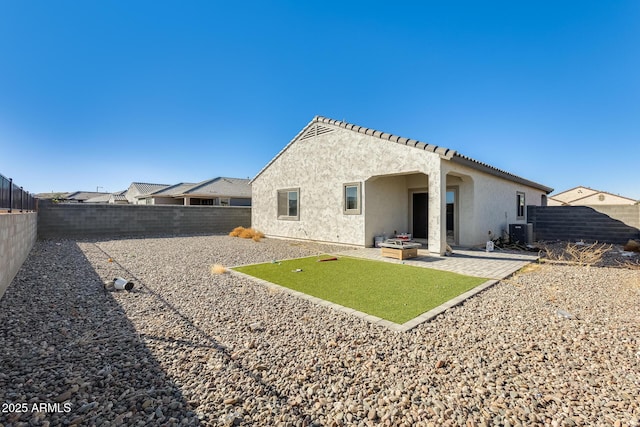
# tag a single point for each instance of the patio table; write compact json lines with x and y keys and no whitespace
{"x":399,"y":248}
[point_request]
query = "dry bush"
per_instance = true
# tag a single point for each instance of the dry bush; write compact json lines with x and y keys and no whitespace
{"x":218,"y":269}
{"x":247,"y":233}
{"x":236,"y":231}
{"x":631,"y":265}
{"x":581,"y":254}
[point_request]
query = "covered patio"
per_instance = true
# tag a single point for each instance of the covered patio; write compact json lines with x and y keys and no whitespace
{"x":436,"y":212}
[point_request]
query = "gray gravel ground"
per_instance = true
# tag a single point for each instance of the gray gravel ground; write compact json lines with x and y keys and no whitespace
{"x":555,"y":345}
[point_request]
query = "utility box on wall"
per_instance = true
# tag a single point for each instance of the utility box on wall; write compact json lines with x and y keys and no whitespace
{"x":521,"y":233}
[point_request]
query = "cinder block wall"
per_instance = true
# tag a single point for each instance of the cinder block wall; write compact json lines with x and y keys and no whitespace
{"x":607,"y":224}
{"x":96,"y":221}
{"x":18,"y":233}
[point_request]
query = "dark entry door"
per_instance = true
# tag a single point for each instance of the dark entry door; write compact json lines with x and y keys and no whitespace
{"x":420,"y":215}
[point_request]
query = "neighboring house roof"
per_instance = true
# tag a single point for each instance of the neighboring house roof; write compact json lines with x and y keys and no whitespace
{"x":314,"y":127}
{"x":59,"y":195}
{"x":118,"y":197}
{"x":216,"y":187}
{"x":221,"y":186}
{"x":103,"y":198}
{"x":172,"y":190}
{"x":146,"y":188}
{"x":581,"y":195}
{"x":84,"y":195}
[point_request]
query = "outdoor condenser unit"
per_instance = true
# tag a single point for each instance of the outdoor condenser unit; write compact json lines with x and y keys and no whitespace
{"x":522,"y":233}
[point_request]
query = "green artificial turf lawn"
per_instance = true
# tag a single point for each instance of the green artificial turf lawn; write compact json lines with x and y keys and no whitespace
{"x":395,"y":292}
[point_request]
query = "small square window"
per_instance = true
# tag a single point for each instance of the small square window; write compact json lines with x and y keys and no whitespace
{"x":352,"y":198}
{"x":289,"y":204}
{"x":520,"y":205}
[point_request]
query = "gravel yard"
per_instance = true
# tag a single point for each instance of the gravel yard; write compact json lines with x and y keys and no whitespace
{"x":553,"y":345}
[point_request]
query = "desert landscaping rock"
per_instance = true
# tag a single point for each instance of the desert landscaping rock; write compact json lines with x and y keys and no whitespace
{"x":187,"y":347}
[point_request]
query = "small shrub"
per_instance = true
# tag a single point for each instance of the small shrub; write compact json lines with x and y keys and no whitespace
{"x":236,"y":231}
{"x":247,"y":233}
{"x":218,"y":269}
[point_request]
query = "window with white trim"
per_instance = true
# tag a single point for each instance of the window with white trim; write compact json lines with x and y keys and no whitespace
{"x":520,"y":205}
{"x":289,"y":204}
{"x":352,"y":198}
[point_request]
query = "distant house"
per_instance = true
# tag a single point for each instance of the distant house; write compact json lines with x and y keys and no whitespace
{"x":221,"y":191}
{"x":103,"y":198}
{"x":170,"y":195}
{"x":82,"y":196}
{"x":343,"y":183}
{"x":141,"y":188}
{"x":585,"y":196}
{"x":119,"y":198}
{"x":60,"y":196}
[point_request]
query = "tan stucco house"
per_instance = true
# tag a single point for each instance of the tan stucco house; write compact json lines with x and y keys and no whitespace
{"x":585,"y":196}
{"x":342,"y":183}
{"x":220,"y":191}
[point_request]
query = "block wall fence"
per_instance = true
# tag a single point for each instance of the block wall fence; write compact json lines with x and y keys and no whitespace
{"x":98,"y":221}
{"x":602,"y":223}
{"x":18,"y":233}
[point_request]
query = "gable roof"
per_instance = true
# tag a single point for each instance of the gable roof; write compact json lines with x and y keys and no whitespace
{"x":172,"y":190}
{"x":84,"y":195}
{"x":146,"y":188}
{"x":221,"y":186}
{"x":103,"y":198}
{"x":316,"y":127}
{"x":590,"y":192}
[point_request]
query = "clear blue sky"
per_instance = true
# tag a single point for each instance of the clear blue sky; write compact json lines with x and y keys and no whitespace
{"x":98,"y":94}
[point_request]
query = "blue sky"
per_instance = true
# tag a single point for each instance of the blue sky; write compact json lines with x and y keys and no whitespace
{"x":101,"y":94}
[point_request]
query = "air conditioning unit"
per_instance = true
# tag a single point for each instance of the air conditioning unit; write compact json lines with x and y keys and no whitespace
{"x":521,"y":233}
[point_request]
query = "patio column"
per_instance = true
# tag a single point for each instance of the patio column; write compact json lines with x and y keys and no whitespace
{"x":187,"y":201}
{"x":437,"y":237}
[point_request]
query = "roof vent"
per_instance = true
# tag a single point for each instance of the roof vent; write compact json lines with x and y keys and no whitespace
{"x":316,"y":130}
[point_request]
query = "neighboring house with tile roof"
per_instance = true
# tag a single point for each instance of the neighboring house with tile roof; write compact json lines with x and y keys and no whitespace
{"x":110,"y":198}
{"x":342,"y":183}
{"x":59,"y":196}
{"x":82,"y":196}
{"x":118,"y":198}
{"x":221,"y":191}
{"x":166,"y":196}
{"x":103,"y":198}
{"x":140,"y":188}
{"x":585,"y":196}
